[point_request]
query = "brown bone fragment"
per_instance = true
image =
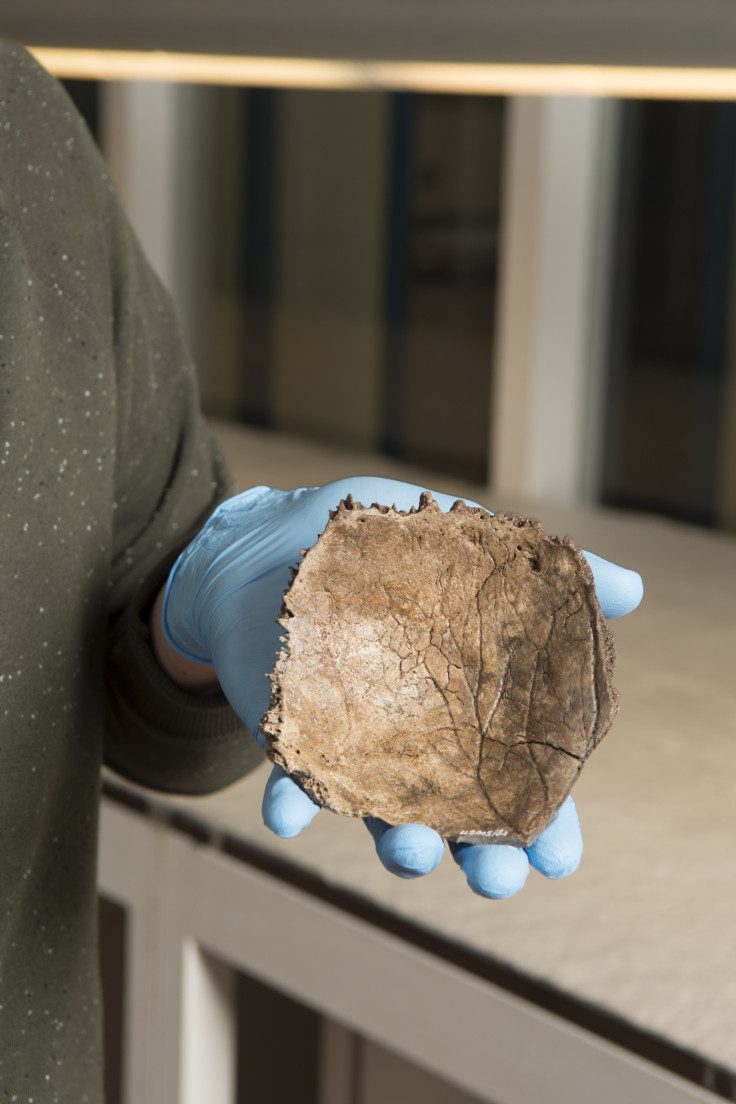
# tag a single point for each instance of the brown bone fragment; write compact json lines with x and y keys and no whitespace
{"x":447,"y":669}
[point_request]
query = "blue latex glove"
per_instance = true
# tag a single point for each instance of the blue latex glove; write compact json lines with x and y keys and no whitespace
{"x":221,"y":603}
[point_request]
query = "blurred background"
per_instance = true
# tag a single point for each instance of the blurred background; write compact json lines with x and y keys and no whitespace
{"x":335,"y":256}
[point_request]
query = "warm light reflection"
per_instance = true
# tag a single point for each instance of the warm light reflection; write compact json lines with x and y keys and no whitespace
{"x":491,"y":79}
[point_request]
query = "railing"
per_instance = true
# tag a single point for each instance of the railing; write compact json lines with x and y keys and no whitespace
{"x":404,"y":1014}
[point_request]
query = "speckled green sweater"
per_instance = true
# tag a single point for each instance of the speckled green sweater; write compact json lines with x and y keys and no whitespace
{"x":105,"y":469}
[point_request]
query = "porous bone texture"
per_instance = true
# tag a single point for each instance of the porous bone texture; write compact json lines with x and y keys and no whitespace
{"x":451,"y":669}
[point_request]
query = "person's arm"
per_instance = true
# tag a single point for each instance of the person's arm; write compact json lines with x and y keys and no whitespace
{"x":124,"y":467}
{"x":195,"y":678}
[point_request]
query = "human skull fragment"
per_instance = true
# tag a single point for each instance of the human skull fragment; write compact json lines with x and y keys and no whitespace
{"x":451,"y":669}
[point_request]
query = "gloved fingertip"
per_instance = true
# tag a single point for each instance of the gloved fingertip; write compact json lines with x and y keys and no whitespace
{"x":286,"y":809}
{"x":619,"y":589}
{"x":558,"y":850}
{"x":406,"y":850}
{"x":492,"y":870}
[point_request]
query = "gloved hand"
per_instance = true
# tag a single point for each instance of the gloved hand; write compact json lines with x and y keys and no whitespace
{"x":221,"y":603}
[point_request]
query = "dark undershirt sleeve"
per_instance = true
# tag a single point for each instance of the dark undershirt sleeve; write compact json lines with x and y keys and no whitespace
{"x":157,"y":734}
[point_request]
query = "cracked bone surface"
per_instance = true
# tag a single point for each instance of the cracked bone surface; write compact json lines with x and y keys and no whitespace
{"x":451,"y":669}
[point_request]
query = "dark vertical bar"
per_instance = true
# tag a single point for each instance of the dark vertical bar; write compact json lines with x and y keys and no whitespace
{"x":712,"y":319}
{"x":670,"y":330}
{"x":396,"y":285}
{"x":278,"y":1047}
{"x":111,"y":942}
{"x":448,"y":331}
{"x":258,"y":232}
{"x":621,"y":304}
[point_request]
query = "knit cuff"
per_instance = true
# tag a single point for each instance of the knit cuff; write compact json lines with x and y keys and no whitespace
{"x":159,"y":735}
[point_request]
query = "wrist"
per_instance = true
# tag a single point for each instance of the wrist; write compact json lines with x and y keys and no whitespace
{"x":196,"y":678}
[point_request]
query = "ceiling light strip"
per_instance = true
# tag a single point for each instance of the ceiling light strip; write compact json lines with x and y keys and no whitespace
{"x":449,"y":77}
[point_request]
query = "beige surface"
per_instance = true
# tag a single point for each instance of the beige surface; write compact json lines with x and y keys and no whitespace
{"x":647,"y":926}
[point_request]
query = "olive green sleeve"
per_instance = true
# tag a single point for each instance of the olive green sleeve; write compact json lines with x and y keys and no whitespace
{"x":169,"y":477}
{"x":105,"y":397}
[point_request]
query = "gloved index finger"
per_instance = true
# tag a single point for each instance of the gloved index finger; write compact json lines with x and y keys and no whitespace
{"x":285,"y":808}
{"x":619,"y":589}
